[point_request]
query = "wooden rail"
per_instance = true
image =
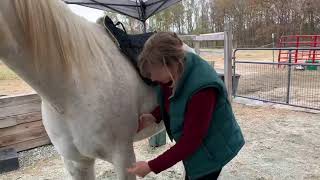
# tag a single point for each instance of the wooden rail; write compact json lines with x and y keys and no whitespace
{"x":196,"y":39}
{"x":21,"y":125}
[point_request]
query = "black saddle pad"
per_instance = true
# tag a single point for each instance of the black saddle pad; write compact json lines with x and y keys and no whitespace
{"x":130,"y":44}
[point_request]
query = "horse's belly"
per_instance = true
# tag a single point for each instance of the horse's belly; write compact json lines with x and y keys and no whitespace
{"x":92,"y":126}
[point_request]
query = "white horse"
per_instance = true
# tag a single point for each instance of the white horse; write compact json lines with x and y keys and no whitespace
{"x":91,"y":95}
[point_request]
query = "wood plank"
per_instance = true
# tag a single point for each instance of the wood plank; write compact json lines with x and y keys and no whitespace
{"x":21,"y":137}
{"x":21,"y":128}
{"x":4,"y":123}
{"x":20,"y":109}
{"x":32,"y":143}
{"x":219,"y":36}
{"x":21,"y":122}
{"x":9,"y":121}
{"x":18,"y":100}
{"x":187,"y":37}
{"x":26,"y":145}
{"x":28,"y":117}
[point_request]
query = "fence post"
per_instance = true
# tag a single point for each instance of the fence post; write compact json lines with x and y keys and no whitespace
{"x":197,"y":46}
{"x":289,"y":78}
{"x":158,"y":139}
{"x":235,"y":81}
{"x":273,"y":43}
{"x":228,"y":57}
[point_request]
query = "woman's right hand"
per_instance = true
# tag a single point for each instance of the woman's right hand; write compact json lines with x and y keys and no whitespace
{"x":145,"y":120}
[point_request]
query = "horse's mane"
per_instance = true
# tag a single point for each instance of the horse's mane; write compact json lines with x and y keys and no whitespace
{"x":75,"y":39}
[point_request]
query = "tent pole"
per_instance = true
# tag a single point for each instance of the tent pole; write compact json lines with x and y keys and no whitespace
{"x":144,"y":26}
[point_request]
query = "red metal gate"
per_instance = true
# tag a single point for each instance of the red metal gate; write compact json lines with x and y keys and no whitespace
{"x":299,"y":41}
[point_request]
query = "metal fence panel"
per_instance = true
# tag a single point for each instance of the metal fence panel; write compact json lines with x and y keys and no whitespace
{"x":283,"y":83}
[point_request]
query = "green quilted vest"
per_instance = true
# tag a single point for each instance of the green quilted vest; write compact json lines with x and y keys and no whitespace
{"x":224,"y":139}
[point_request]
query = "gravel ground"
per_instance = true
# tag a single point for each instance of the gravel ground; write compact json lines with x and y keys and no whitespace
{"x":280,"y":144}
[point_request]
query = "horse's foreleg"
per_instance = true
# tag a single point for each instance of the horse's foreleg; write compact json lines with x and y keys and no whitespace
{"x":123,"y":157}
{"x":80,"y":170}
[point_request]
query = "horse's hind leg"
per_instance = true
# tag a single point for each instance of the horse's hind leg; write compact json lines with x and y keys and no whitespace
{"x":123,"y":157}
{"x":80,"y":170}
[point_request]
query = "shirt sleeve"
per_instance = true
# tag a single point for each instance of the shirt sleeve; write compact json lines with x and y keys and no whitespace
{"x":196,"y":125}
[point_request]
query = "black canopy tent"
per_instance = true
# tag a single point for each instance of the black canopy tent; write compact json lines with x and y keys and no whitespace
{"x":137,"y":9}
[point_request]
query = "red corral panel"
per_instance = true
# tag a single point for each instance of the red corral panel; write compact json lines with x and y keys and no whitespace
{"x":299,"y":41}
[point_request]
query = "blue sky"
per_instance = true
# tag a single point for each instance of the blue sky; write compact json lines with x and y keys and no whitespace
{"x":88,"y":13}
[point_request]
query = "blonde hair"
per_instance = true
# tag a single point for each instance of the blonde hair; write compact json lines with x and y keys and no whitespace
{"x":162,"y":48}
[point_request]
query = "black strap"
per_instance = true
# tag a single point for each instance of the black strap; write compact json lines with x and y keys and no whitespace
{"x":124,"y":29}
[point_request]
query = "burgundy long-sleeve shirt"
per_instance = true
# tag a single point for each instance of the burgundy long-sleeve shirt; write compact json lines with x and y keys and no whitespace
{"x":195,"y":128}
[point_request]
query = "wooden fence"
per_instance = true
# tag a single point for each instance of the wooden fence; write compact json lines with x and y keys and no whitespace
{"x":203,"y":40}
{"x":21,"y":125}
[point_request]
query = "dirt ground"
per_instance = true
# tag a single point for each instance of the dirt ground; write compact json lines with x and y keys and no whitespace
{"x":280,"y":144}
{"x":11,"y":84}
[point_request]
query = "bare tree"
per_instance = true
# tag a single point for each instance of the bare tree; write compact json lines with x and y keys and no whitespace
{"x":253,"y":21}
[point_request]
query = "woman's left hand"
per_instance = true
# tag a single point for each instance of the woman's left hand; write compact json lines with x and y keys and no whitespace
{"x":140,"y":169}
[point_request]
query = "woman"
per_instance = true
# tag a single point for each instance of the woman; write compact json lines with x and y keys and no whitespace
{"x":195,"y":109}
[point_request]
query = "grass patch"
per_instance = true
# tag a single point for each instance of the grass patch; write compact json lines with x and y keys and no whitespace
{"x":6,"y":73}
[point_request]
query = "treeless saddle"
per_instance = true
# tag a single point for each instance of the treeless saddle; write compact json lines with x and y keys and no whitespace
{"x":130,"y":44}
